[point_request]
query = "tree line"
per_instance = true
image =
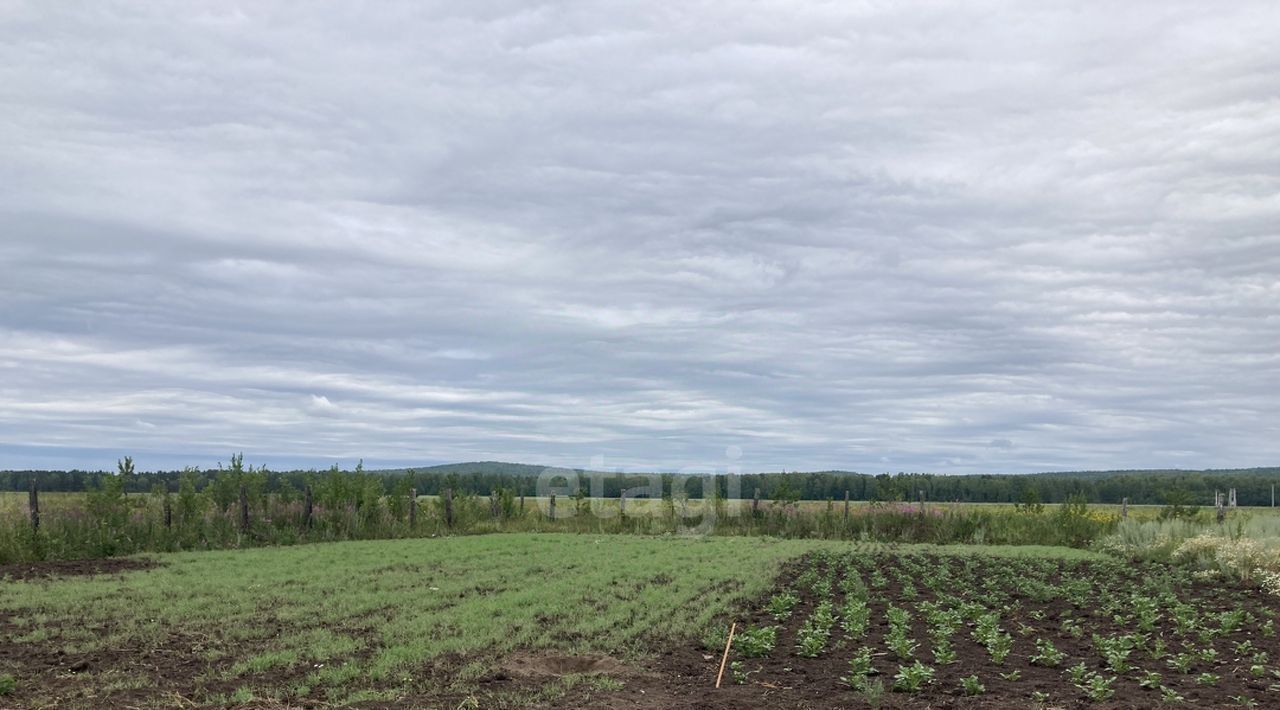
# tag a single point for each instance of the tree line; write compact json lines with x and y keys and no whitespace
{"x":1253,"y":486}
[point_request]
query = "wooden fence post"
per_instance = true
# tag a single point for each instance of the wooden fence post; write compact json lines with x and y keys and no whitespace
{"x":622,"y":504}
{"x":552,"y":514}
{"x":493,"y":503}
{"x":522,"y":504}
{"x":168,"y":513}
{"x":306,"y":508}
{"x":846,"y":504}
{"x":448,"y":507}
{"x":33,"y":502}
{"x":1124,"y":507}
{"x":413,"y":508}
{"x":755,"y":503}
{"x":244,"y":510}
{"x":1220,"y":511}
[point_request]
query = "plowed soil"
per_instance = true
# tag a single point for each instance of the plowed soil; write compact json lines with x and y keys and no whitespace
{"x":684,"y":676}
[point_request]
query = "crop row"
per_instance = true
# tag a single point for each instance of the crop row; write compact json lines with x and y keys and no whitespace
{"x":925,"y":623}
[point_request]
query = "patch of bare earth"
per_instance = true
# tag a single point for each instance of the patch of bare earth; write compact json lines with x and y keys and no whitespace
{"x":24,"y":571}
{"x":169,"y":672}
{"x":541,"y":666}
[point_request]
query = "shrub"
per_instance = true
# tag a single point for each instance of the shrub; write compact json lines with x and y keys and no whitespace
{"x":1179,"y":505}
{"x":1243,"y":558}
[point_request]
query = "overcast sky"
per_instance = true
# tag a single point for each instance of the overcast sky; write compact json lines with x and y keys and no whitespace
{"x":860,"y":235}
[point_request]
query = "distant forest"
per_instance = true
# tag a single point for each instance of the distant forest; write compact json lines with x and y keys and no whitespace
{"x":1253,"y":486}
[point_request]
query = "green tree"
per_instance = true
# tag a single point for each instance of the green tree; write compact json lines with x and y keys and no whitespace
{"x":1031,"y":501}
{"x":1179,"y":504}
{"x":191,"y":504}
{"x":124,"y":469}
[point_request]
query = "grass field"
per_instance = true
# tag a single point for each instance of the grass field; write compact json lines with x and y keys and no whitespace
{"x":520,"y":620}
{"x":430,"y":622}
{"x":370,"y":620}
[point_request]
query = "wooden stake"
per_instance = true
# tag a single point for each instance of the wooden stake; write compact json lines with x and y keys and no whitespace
{"x":33,"y":502}
{"x":725,"y":659}
{"x":244,"y":510}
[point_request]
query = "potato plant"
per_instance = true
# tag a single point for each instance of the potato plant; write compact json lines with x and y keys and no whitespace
{"x":1085,"y":630}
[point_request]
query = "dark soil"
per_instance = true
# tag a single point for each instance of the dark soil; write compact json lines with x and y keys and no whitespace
{"x":170,"y":672}
{"x":61,"y":679}
{"x":541,"y":666}
{"x":71,"y":568}
{"x":684,"y":676}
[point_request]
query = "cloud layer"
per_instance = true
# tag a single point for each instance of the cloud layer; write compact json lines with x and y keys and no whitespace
{"x":858,"y":235}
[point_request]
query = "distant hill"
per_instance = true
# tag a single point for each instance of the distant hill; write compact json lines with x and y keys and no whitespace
{"x":485,"y":468}
{"x":505,"y":468}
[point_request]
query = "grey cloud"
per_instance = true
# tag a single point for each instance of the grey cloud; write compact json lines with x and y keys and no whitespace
{"x":855,"y":236}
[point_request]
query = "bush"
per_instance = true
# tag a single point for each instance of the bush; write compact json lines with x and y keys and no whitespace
{"x":1247,"y":549}
{"x":1179,"y":505}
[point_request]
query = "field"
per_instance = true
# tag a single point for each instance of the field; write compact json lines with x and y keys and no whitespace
{"x":431,"y":622}
{"x":374,"y":600}
{"x":857,"y":630}
{"x":556,"y":620}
